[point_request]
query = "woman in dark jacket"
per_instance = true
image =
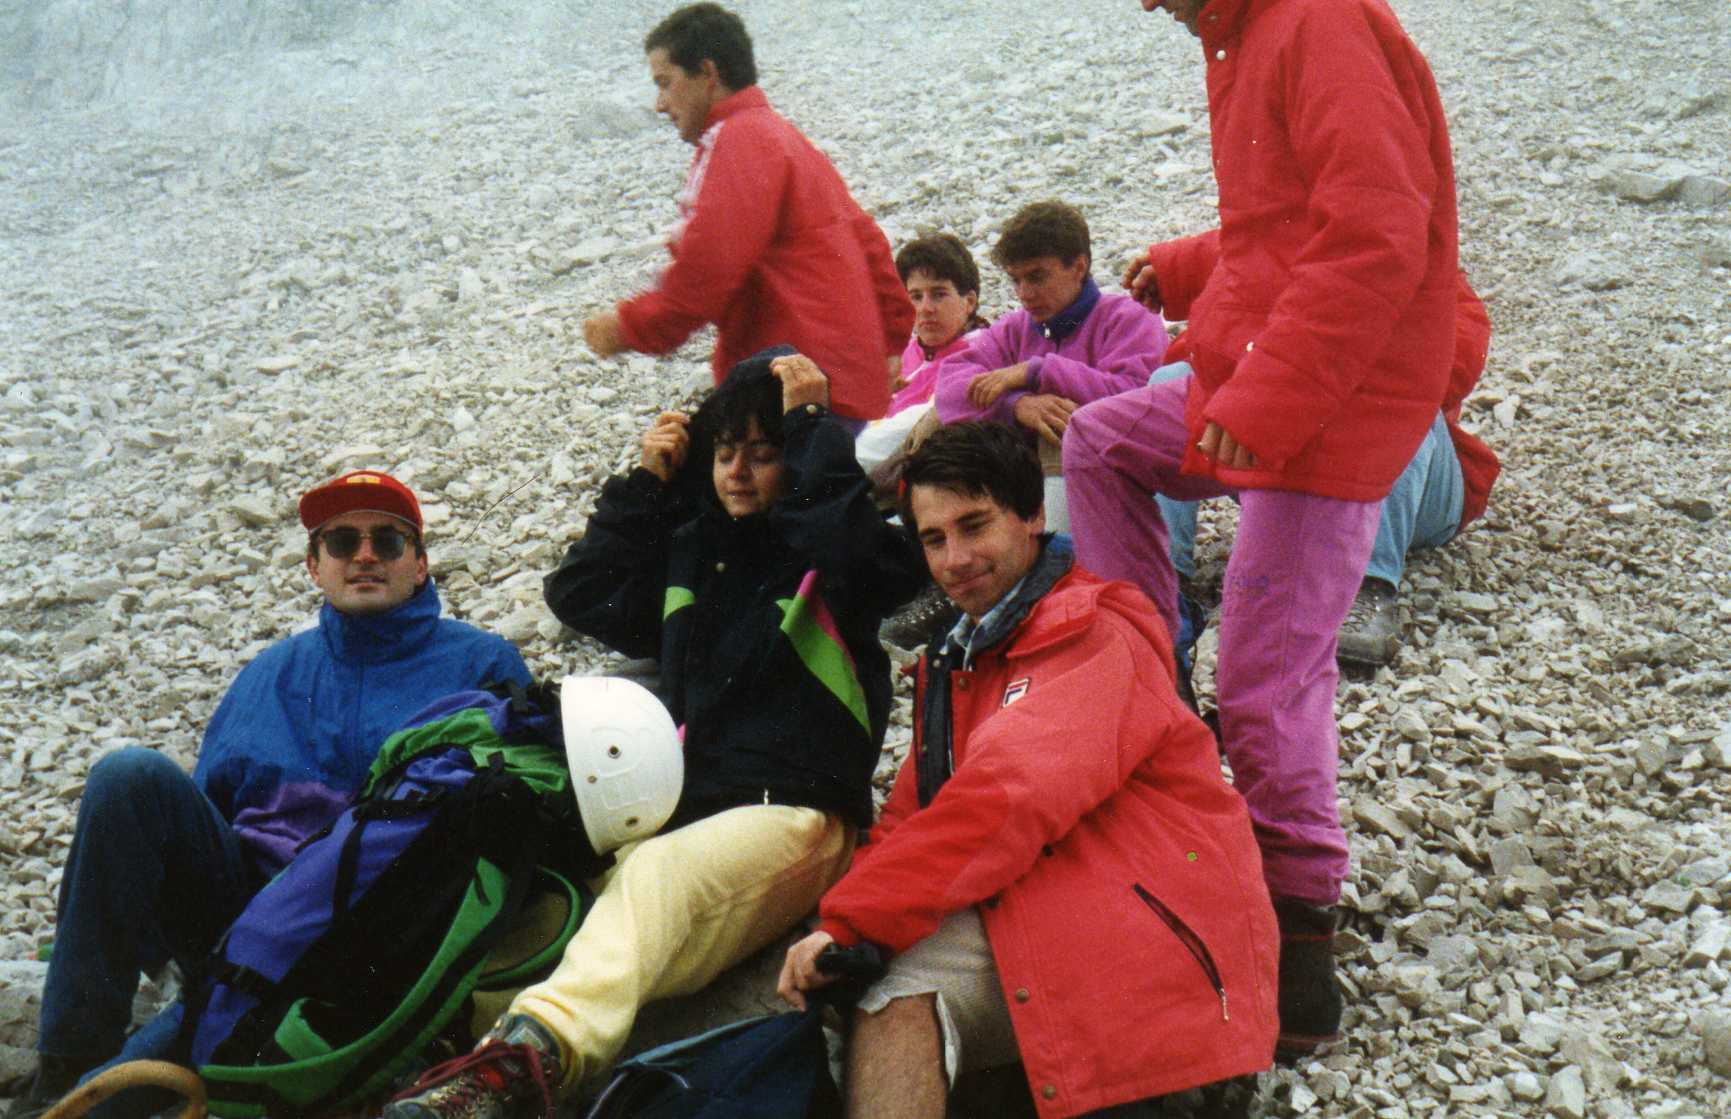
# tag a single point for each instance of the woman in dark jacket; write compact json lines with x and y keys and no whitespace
{"x":746,"y":554}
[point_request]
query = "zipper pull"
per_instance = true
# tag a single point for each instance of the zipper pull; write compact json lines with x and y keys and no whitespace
{"x":1224,"y":1017}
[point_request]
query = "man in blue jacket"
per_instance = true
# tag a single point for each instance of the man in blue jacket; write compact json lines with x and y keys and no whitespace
{"x":161,"y":862}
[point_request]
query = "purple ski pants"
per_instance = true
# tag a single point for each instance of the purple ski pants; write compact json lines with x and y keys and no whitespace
{"x":1296,"y":565}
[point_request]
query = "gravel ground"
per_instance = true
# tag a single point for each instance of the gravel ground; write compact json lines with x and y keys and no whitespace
{"x":232,"y":264}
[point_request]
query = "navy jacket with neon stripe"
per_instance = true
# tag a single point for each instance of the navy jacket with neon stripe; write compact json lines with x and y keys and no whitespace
{"x":765,"y":626}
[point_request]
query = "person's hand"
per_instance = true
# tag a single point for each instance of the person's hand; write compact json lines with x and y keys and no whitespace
{"x":893,"y":367}
{"x":665,"y":444}
{"x":1045,"y":415}
{"x":1142,"y":284}
{"x":1217,"y":443}
{"x":987,"y":387}
{"x":799,"y":972}
{"x":604,"y":334}
{"x":802,"y":382}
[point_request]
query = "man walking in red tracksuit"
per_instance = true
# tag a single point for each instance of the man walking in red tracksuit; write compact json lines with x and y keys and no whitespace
{"x":771,"y":247}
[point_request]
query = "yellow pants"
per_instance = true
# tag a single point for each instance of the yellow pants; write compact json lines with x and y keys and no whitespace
{"x":675,"y":911}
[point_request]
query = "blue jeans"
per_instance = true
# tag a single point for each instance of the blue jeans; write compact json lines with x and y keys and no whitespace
{"x":154,"y":874}
{"x":1424,"y":508}
{"x":1422,"y":511}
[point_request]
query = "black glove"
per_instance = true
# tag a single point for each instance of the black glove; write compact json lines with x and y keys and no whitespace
{"x":855,"y":969}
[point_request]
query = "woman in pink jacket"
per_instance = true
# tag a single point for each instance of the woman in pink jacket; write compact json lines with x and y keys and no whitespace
{"x":943,"y":283}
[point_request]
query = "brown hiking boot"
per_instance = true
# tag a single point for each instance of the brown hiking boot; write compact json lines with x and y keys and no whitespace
{"x":1370,"y":636}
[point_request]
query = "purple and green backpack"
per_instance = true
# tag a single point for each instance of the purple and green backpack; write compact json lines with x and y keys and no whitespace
{"x":455,"y":873}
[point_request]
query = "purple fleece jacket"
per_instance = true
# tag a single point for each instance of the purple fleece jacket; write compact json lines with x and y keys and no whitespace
{"x":1113,"y":351}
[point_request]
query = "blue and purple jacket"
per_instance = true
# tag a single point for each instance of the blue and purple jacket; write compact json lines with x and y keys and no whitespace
{"x":293,"y":738}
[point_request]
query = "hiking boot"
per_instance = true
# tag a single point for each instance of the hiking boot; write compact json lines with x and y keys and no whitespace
{"x":930,"y":614}
{"x":1310,"y":1002}
{"x":54,"y":1077}
{"x":516,"y":1065}
{"x":1370,"y":636}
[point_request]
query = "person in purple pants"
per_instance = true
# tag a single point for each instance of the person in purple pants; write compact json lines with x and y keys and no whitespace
{"x":1321,"y":315}
{"x":1069,"y":344}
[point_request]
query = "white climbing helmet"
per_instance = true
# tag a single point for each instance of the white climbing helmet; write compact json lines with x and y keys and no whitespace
{"x":627,"y":763}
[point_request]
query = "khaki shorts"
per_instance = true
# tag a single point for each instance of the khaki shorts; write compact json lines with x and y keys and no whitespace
{"x":955,"y":964}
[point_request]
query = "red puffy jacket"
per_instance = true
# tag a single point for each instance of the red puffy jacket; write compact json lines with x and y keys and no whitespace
{"x":1479,"y":465}
{"x":1323,"y":338}
{"x":772,"y":249}
{"x":1080,"y":777}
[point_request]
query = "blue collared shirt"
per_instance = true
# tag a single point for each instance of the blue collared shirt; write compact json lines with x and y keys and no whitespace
{"x":962,"y":634}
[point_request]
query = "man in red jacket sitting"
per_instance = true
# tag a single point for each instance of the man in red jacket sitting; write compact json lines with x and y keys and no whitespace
{"x":770,"y":247}
{"x":1061,"y":873}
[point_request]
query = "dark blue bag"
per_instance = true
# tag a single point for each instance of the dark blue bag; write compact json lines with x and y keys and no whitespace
{"x":773,"y":1067}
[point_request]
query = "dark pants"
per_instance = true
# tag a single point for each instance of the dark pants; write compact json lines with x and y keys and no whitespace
{"x":155,"y":874}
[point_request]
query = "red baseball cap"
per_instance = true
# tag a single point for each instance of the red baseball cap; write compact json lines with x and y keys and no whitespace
{"x":368,"y":491}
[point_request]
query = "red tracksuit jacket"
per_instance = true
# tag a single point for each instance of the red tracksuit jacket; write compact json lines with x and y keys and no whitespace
{"x":772,"y":249}
{"x":1479,"y":464}
{"x":1116,"y":873}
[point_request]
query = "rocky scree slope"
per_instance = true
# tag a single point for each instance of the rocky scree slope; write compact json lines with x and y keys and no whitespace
{"x":232,"y":265}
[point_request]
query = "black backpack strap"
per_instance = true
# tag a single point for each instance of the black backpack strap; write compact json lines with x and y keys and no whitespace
{"x":526,"y":699}
{"x":348,"y":867}
{"x":936,"y":760}
{"x":414,"y":804}
{"x":243,"y":979}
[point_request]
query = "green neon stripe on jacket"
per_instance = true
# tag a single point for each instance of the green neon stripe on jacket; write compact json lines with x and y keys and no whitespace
{"x":678,"y":598}
{"x":820,"y":650}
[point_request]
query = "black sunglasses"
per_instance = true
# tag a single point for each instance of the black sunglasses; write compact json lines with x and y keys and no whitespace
{"x":343,"y":542}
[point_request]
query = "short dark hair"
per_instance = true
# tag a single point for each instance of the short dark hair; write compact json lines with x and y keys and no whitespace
{"x":725,"y":415}
{"x":943,"y":257}
{"x":699,"y":31}
{"x":976,"y":459}
{"x":1048,"y":228}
